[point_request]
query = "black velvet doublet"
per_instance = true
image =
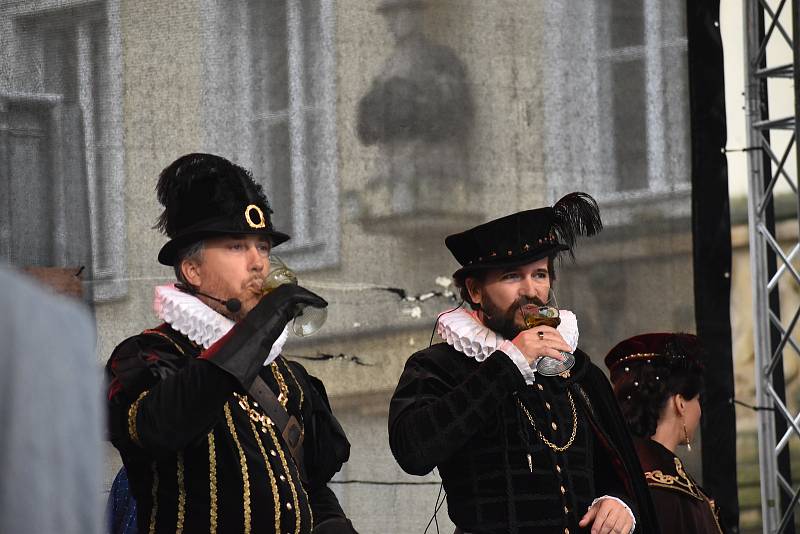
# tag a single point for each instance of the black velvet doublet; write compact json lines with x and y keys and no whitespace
{"x":197,"y":462}
{"x":466,"y":418}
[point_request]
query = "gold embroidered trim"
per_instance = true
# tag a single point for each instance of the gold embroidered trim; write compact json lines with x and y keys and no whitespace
{"x":276,"y":498}
{"x":133,"y":411}
{"x":165,"y":336}
{"x":212,"y":483}
{"x":295,"y":500}
{"x":181,"y":496}
{"x":245,"y":476}
{"x":154,"y":493}
{"x":682,"y":482}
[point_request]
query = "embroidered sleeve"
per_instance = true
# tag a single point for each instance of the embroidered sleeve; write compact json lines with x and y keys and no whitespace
{"x":422,"y":430}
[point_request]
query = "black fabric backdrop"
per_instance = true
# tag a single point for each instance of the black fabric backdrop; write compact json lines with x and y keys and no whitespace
{"x":712,"y":253}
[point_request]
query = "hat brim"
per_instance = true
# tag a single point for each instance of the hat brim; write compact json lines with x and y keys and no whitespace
{"x":169,"y":252}
{"x":501,"y":262}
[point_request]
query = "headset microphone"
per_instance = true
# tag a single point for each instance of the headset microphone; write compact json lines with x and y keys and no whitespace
{"x":232,"y":305}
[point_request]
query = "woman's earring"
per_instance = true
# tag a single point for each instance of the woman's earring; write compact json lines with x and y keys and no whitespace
{"x":686,"y":437}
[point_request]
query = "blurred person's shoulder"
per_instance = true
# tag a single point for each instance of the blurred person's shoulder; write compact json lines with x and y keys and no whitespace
{"x":31,"y":312}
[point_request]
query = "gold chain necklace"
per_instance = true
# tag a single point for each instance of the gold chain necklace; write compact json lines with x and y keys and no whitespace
{"x":546,"y":441}
{"x":283,"y":397}
{"x":256,"y":416}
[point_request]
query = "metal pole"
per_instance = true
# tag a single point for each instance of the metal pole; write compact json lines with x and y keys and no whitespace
{"x":758,"y":265}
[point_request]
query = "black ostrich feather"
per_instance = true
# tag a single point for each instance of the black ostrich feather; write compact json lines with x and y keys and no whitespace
{"x":197,"y":184}
{"x":576,"y":214}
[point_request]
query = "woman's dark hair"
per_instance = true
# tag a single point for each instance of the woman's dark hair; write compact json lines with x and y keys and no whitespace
{"x":643,"y":386}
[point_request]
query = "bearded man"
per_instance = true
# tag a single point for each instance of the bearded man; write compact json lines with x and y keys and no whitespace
{"x":218,"y":432}
{"x":518,"y":451}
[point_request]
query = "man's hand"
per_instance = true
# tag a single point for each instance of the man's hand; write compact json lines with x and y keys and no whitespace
{"x":541,"y":341}
{"x":607,"y":516}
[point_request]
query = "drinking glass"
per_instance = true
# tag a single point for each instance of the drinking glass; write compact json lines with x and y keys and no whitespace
{"x":307,"y":319}
{"x":548,"y":315}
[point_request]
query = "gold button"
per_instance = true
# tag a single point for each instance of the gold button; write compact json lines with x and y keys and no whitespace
{"x":541,"y":388}
{"x":563,"y":491}
{"x":558,"y":468}
{"x":288,"y":506}
{"x":566,"y":531}
{"x":566,"y":510}
{"x":554,"y":426}
{"x":547,"y":405}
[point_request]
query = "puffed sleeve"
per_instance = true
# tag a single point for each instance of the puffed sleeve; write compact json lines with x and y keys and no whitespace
{"x":161,"y":400}
{"x":432,"y":414}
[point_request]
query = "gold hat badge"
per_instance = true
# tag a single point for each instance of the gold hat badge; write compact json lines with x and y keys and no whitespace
{"x":260,"y":221}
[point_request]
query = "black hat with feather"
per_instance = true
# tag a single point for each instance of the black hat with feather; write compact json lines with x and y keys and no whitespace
{"x":208,"y":196}
{"x":525,"y":236}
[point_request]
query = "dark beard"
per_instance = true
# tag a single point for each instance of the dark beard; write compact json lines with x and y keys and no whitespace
{"x":504,"y":321}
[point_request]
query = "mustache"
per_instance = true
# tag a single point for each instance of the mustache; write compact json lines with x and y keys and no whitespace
{"x":534,"y":300}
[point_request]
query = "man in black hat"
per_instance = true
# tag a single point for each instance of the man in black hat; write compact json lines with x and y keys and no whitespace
{"x":217,"y":431}
{"x":518,"y":451}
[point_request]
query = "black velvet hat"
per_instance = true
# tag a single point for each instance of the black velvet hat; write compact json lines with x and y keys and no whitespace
{"x":525,"y":236}
{"x":208,"y":196}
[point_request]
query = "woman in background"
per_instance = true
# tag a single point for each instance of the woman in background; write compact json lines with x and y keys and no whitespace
{"x":657,"y":381}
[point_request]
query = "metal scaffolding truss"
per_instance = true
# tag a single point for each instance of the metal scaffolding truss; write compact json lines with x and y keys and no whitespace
{"x":772,"y":138}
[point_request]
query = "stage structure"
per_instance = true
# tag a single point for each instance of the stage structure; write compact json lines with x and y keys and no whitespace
{"x":772,"y":137}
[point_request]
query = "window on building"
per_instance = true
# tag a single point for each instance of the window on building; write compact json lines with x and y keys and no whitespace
{"x":270,"y":106}
{"x":642,"y":88}
{"x":60,"y":135}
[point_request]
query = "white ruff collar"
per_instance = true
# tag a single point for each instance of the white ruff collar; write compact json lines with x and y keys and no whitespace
{"x":463,"y":330}
{"x":193,"y":318}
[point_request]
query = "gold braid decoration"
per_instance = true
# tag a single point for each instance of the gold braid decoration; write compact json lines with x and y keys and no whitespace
{"x":302,"y":398}
{"x":294,"y":378}
{"x":212,"y":483}
{"x":288,"y":478}
{"x":133,"y":411}
{"x":154,"y":493}
{"x":181,"y":496}
{"x":546,"y":441}
{"x":245,"y":476}
{"x":276,"y":498}
{"x":283,"y":397}
{"x":165,"y":336}
{"x":632,"y":357}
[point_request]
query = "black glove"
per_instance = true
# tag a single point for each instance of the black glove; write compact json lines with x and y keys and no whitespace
{"x":247,"y":345}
